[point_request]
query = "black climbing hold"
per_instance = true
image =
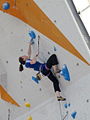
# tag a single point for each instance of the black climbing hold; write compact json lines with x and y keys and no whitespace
{"x":24,"y":99}
{"x":48,"y":53}
{"x":55,"y":21}
{"x":40,"y":89}
{"x":21,"y":50}
{"x":55,"y":48}
{"x":8,"y":110}
{"x":77,"y":64}
{"x":87,"y":100}
{"x":6,"y":61}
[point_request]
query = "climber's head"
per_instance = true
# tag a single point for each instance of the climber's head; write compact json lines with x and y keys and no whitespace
{"x":22,"y":60}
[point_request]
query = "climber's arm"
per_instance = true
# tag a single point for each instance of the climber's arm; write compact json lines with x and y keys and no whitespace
{"x":33,"y":61}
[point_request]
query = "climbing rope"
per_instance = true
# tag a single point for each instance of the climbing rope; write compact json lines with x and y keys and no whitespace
{"x":8,"y":114}
{"x":38,"y":44}
{"x":65,"y":115}
{"x":62,"y":117}
{"x":60,"y":110}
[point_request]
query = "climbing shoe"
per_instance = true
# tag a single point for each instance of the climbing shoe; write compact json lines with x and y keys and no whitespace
{"x":38,"y":76}
{"x":61,"y":98}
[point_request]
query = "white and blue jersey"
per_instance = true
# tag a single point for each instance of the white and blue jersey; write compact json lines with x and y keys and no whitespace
{"x":35,"y":66}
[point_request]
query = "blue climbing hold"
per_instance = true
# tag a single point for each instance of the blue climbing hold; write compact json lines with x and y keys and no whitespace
{"x":6,"y":6}
{"x":32,"y":34}
{"x":69,"y":105}
{"x":35,"y":79}
{"x":74,"y":115}
{"x":65,"y":105}
{"x":65,"y":73}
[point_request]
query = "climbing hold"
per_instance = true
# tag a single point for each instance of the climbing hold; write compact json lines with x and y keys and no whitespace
{"x":55,"y":21}
{"x":55,"y":48}
{"x":29,"y":118}
{"x":40,"y":89}
{"x":6,"y":61}
{"x":48,"y":53}
{"x":65,"y":73}
{"x":69,"y":105}
{"x":27,"y":104}
{"x":6,"y":6}
{"x":74,"y":115}
{"x":77,"y":64}
{"x":65,"y":105}
{"x":35,"y":79}
{"x":32,"y":34}
{"x":21,"y":50}
{"x":24,"y":99}
{"x":87,"y":100}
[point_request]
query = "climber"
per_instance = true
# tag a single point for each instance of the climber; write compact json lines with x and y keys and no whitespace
{"x":44,"y":68}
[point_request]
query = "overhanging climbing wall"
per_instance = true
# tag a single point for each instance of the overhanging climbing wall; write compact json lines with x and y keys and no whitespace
{"x":14,"y":41}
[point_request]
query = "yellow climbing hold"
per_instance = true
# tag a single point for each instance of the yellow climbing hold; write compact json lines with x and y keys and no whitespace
{"x":29,"y":118}
{"x":27,"y":104}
